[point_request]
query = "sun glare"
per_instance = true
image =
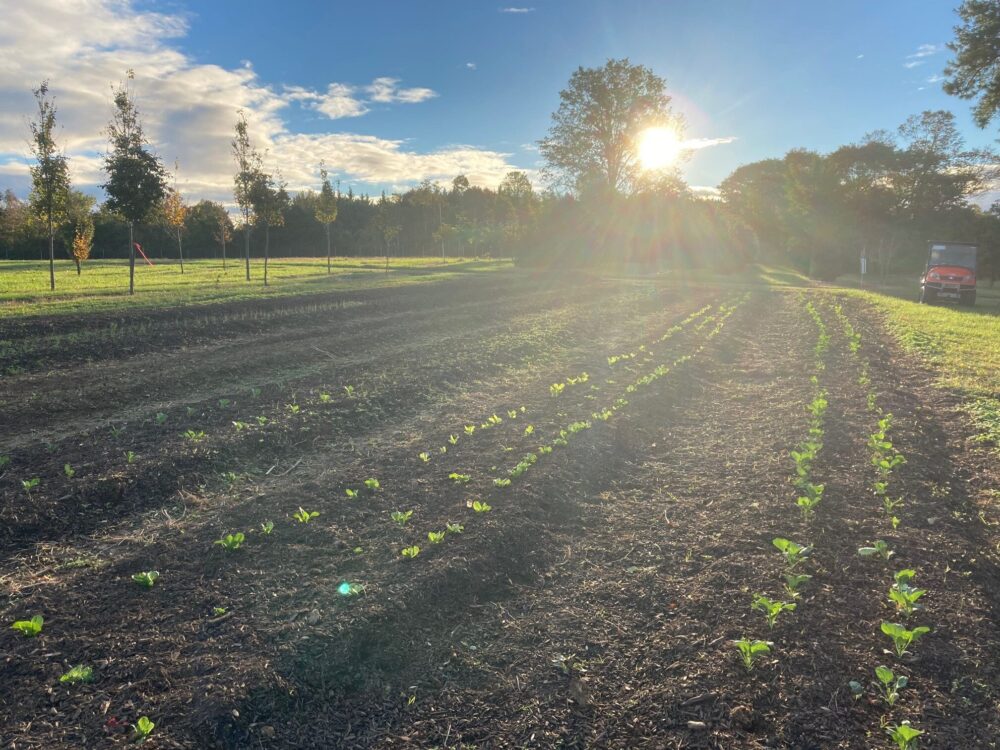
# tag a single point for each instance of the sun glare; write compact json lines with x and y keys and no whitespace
{"x":659,"y":147}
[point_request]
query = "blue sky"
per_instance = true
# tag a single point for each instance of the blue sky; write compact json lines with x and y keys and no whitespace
{"x":423,"y":88}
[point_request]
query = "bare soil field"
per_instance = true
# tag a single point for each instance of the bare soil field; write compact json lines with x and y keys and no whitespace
{"x":544,"y":507}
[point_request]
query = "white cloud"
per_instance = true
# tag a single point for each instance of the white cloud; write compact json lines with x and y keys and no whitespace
{"x":696,"y":144}
{"x":386,"y":90}
{"x":859,"y":57}
{"x":189,"y":108}
{"x":470,"y":65}
{"x":913,"y":63}
{"x":923,"y":51}
{"x":706,"y":191}
{"x":517,"y":10}
{"x":935,"y":78}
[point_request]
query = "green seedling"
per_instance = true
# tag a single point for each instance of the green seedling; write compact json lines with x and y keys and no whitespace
{"x":219,"y":611}
{"x":4,"y":462}
{"x":812,"y":497}
{"x":568,"y":664}
{"x":889,"y":685}
{"x":771,"y":609}
{"x":160,"y":418}
{"x":494,"y":420}
{"x":230,"y":477}
{"x":262,"y":420}
{"x":349,"y":390}
{"x":556,"y":388}
{"x":410,"y":552}
{"x":794,"y":553}
{"x":346,"y":588}
{"x":130,"y":457}
{"x":501,"y":482}
{"x":905,"y":736}
{"x":267,"y":527}
{"x":902,"y":638}
{"x":480,"y":507}
{"x":425,"y":456}
{"x":460,"y":478}
{"x":30,"y":484}
{"x":305,"y":516}
{"x":325,"y":398}
{"x":793,"y":581}
{"x":751,"y":651}
{"x":512,"y":413}
{"x":351,"y":493}
{"x":372,"y":484}
{"x":77,"y":674}
{"x":116,"y":432}
{"x":194,"y":436}
{"x":890,"y":505}
{"x":240,"y":426}
{"x":191,"y":411}
{"x":469,"y":429}
{"x":904,"y":595}
{"x":401,"y":517}
{"x":143,"y":728}
{"x":895,"y":522}
{"x":544,"y":450}
{"x":255,"y":393}
{"x":29,"y":628}
{"x":453,"y":439}
{"x":224,"y":403}
{"x":69,"y":471}
{"x":857,"y":689}
{"x":455,"y":528}
{"x":435,"y":537}
{"x":879,"y":548}
{"x":529,"y":429}
{"x":293,"y":408}
{"x":443,"y":449}
{"x":231,"y":542}
{"x":147,"y":579}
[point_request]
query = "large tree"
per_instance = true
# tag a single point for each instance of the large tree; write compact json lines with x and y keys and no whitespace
{"x":137,"y":181}
{"x":975,"y":71}
{"x":601,"y":113}
{"x":49,"y":175}
{"x":326,"y":211}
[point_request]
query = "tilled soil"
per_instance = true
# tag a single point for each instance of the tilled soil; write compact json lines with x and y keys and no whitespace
{"x":593,"y":606}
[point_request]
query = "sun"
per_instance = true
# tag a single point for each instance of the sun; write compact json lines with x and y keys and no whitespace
{"x":658,"y":147}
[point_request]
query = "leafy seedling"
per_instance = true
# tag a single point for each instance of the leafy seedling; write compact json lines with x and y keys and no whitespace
{"x":425,"y":456}
{"x":219,"y":611}
{"x":460,"y":478}
{"x":529,"y":429}
{"x":194,"y":436}
{"x":231,"y":542}
{"x":130,"y":457}
{"x":903,"y":595}
{"x":902,"y":638}
{"x":793,"y":553}
{"x":889,"y":684}
{"x":401,"y":517}
{"x":857,"y":689}
{"x":267,"y":527}
{"x":143,"y":728}
{"x":160,"y":418}
{"x":501,"y":482}
{"x":224,"y":403}
{"x":69,"y":471}
{"x":469,"y":429}
{"x":372,"y":484}
{"x":793,"y":581}
{"x":304,"y":516}
{"x":453,"y":439}
{"x":29,"y":628}
{"x":347,"y":588}
{"x":29,"y":484}
{"x":455,"y":528}
{"x":77,"y":674}
{"x":480,"y":507}
{"x":351,"y":493}
{"x":435,"y":537}
{"x":410,"y":552}
{"x":771,"y":609}
{"x":879,"y":548}
{"x":325,"y":398}
{"x":751,"y":651}
{"x":147,"y":578}
{"x":905,"y":736}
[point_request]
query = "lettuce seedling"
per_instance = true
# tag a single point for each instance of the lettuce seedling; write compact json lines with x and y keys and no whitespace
{"x":556,"y":388}
{"x":435,"y":537}
{"x":29,"y":484}
{"x":793,"y":581}
{"x":425,"y":456}
{"x":794,"y":553}
{"x":29,"y":628}
{"x":529,"y":429}
{"x":455,"y":528}
{"x":325,"y":398}
{"x":480,"y":507}
{"x":77,"y":674}
{"x":401,"y":517}
{"x":160,"y":417}
{"x":453,"y":439}
{"x":69,"y":471}
{"x":469,"y":429}
{"x":751,"y":651}
{"x":351,"y":493}
{"x":879,"y":548}
{"x":903,"y":595}
{"x":267,"y":527}
{"x":809,"y":501}
{"x":904,"y":735}
{"x":231,"y":542}
{"x":410,"y":552}
{"x":224,"y":403}
{"x":372,"y":484}
{"x":143,"y":728}
{"x":147,"y":579}
{"x":771,"y":608}
{"x":194,"y":436}
{"x":304,"y":516}
{"x":512,"y":413}
{"x":902,"y":638}
{"x":889,"y":685}
{"x":460,"y":478}
{"x":501,"y":482}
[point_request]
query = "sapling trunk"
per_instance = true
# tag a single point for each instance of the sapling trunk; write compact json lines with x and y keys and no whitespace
{"x":52,"y":255}
{"x":223,"y":251}
{"x":246,"y":245}
{"x":131,"y":260}
{"x":267,"y":243}
{"x":180,"y":250}
{"x":329,"y":270}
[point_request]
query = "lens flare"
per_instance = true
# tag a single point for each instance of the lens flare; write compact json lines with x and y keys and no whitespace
{"x":658,"y":148}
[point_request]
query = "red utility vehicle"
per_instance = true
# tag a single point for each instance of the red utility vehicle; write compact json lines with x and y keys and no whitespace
{"x":950,"y":273}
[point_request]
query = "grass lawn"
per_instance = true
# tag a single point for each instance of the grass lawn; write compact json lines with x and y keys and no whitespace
{"x":103,"y":285}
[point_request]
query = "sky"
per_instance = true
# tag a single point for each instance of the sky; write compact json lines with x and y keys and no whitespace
{"x":393,"y":92}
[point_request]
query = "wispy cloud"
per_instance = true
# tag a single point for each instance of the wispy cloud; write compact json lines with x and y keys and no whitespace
{"x":935,"y":78}
{"x":696,"y":144}
{"x":387,"y":91}
{"x":923,"y":51}
{"x":517,"y":10}
{"x":859,"y":57}
{"x":470,"y":65}
{"x":338,"y":101}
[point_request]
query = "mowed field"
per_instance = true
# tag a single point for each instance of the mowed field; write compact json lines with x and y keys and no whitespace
{"x":544,"y":505}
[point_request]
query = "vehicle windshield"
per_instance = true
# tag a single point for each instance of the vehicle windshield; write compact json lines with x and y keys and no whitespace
{"x":953,"y":255}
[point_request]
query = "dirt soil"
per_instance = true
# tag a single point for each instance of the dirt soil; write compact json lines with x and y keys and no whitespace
{"x":593,"y":606}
